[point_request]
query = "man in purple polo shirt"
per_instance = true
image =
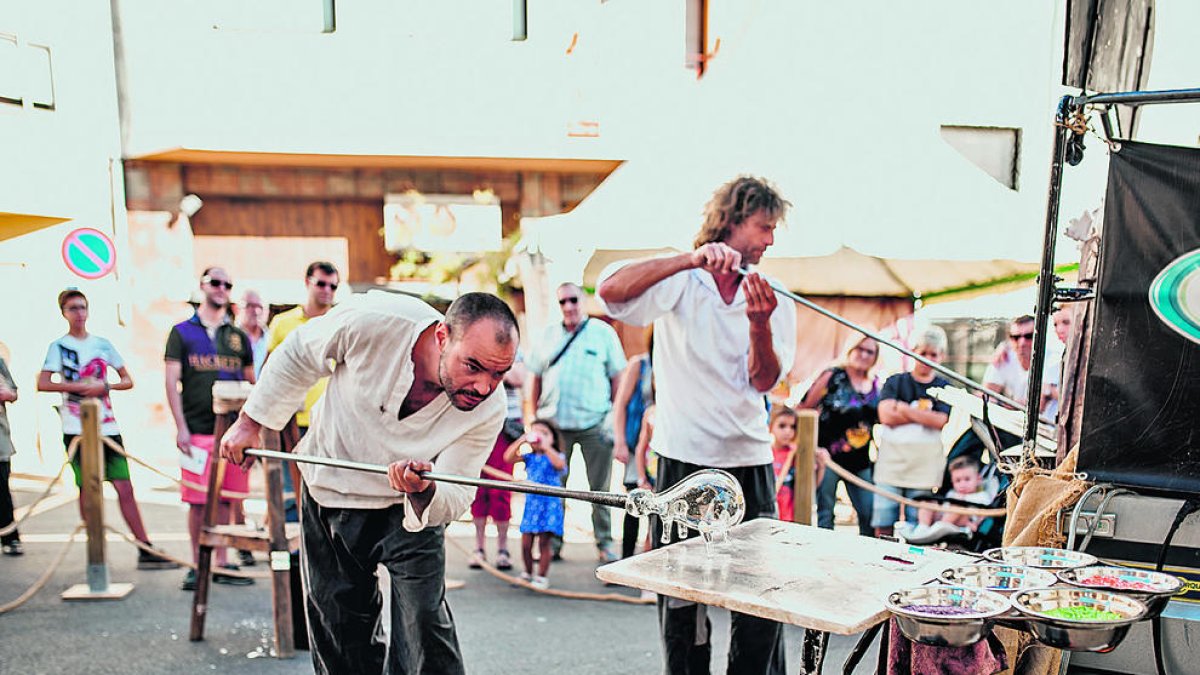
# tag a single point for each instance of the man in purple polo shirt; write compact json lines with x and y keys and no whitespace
{"x":200,"y":351}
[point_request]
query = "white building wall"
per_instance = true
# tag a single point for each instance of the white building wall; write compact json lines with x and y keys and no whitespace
{"x":56,"y":163}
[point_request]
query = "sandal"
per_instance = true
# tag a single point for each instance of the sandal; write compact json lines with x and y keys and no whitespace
{"x":503,"y":562}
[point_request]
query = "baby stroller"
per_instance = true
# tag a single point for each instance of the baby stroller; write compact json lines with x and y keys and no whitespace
{"x":989,"y":531}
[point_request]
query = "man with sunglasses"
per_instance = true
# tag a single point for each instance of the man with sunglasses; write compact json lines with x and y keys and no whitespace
{"x":320,"y":285}
{"x":1009,"y":375}
{"x":576,"y":373}
{"x":200,"y":351}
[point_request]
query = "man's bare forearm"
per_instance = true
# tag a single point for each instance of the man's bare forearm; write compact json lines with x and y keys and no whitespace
{"x":631,"y":281}
{"x":764,"y":364}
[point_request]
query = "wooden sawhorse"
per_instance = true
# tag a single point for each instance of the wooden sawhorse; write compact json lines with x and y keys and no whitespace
{"x":278,"y":541}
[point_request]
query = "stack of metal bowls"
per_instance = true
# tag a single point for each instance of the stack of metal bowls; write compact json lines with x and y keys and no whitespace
{"x":1079,"y":635}
{"x":998,"y":578}
{"x":968,"y":618}
{"x":1039,"y":557}
{"x":1154,"y":589}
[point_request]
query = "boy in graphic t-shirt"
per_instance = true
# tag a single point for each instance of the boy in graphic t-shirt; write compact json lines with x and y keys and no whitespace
{"x":81,"y":361}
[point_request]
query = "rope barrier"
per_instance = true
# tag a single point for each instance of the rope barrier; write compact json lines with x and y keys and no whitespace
{"x":940,"y":508}
{"x":12,"y":527}
{"x":42,"y":580}
{"x":554,"y":592}
{"x":228,"y":494}
{"x":185,"y":563}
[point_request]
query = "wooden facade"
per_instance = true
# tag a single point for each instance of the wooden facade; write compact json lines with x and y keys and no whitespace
{"x":257,"y":199}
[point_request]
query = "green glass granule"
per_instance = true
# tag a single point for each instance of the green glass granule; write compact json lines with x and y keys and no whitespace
{"x":1083,"y":613}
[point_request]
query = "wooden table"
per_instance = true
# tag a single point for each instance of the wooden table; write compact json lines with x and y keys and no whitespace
{"x":833,"y":582}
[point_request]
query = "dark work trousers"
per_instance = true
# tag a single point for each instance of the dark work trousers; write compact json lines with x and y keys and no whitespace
{"x":597,"y":460}
{"x":6,"y":503}
{"x":755,"y":645}
{"x":341,"y":549}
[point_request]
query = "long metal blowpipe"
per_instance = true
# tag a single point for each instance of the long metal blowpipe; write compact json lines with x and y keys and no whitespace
{"x":605,"y":498}
{"x":970,"y":384}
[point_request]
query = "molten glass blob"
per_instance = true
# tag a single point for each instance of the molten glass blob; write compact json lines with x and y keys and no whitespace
{"x":709,"y":501}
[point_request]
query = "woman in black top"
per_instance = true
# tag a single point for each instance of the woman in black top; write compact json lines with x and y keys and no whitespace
{"x":847,"y":397}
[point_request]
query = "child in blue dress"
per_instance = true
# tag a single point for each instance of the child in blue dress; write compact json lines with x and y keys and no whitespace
{"x":543,"y":516}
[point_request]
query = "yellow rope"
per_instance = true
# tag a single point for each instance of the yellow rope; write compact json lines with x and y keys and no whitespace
{"x":12,"y":527}
{"x":933,"y":506}
{"x":42,"y":580}
{"x":185,"y":563}
{"x":228,"y":494}
{"x":554,"y":592}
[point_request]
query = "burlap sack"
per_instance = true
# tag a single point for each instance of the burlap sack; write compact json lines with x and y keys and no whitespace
{"x":1034,"y":502}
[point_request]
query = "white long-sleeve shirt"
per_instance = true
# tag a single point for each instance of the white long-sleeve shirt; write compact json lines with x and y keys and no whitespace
{"x":708,"y":412}
{"x":365,"y":347}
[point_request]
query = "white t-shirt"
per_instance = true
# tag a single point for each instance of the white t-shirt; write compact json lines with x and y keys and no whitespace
{"x":1012,"y":378}
{"x":75,"y":360}
{"x":708,"y":412}
{"x":1052,"y":375}
{"x":369,"y":341}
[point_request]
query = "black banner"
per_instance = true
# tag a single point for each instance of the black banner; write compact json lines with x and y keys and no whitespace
{"x":1141,"y":407}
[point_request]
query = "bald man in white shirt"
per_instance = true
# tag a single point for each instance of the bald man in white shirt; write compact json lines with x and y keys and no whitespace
{"x":410,"y":389}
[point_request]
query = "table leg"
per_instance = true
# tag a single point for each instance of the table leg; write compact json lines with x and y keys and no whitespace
{"x":812,"y":653}
{"x":861,"y":648}
{"x":885,"y":639}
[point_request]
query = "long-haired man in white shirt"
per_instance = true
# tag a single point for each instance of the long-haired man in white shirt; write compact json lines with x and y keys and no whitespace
{"x":721,"y":341}
{"x":411,"y":389}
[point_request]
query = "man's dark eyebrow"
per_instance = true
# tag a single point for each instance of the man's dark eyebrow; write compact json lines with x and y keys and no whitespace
{"x":475,"y":362}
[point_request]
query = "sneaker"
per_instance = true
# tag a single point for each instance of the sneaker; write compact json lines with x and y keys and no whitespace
{"x":229,"y":579}
{"x":246,"y":559}
{"x":14,"y":548}
{"x":477,"y":559}
{"x":154,"y":561}
{"x":525,"y":576}
{"x":503,"y":562}
{"x":540,"y":583}
{"x":606,"y":555}
{"x":189,"y":581}
{"x":650,"y":596}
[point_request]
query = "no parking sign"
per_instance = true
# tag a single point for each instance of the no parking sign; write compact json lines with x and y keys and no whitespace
{"x":89,"y":253}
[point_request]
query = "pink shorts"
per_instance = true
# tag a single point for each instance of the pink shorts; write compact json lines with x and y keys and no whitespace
{"x":236,"y":479}
{"x":493,"y":503}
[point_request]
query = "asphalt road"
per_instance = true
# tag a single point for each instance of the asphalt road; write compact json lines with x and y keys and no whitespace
{"x":501,"y":628}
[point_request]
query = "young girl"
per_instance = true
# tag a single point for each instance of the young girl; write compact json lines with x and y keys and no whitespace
{"x":543,"y":516}
{"x":783,"y":454}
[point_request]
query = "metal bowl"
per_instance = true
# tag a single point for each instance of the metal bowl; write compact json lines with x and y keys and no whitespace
{"x":1039,"y":557}
{"x":1164,"y":586}
{"x":1074,"y":635}
{"x":957,"y":630}
{"x":998,"y":578}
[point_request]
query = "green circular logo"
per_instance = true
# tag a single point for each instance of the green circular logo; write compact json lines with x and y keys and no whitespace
{"x":1175,"y":295}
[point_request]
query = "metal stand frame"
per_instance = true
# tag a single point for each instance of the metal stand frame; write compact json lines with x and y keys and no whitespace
{"x":1068,"y":145}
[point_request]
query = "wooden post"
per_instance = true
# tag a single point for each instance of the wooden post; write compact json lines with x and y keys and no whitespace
{"x":91,"y":456}
{"x":281,"y":557}
{"x":806,"y":448}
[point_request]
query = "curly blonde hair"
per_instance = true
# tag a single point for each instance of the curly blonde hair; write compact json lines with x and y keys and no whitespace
{"x":734,"y":202}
